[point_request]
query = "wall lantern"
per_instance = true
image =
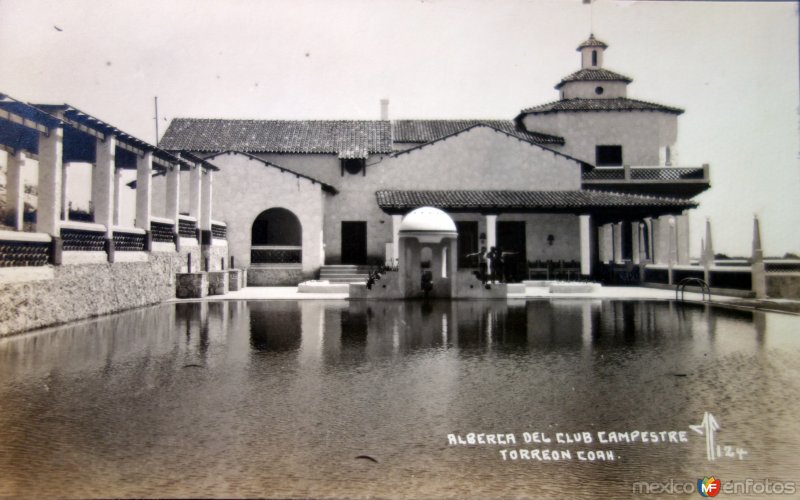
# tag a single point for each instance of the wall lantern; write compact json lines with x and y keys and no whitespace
{"x":550,"y":239}
{"x":482,"y":239}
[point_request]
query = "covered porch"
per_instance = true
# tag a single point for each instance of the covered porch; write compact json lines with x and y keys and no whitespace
{"x":554,"y":235}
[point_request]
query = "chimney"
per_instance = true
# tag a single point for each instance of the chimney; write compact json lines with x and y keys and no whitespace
{"x":384,"y":109}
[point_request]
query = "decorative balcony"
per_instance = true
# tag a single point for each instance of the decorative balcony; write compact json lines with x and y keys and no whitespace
{"x":682,"y":182}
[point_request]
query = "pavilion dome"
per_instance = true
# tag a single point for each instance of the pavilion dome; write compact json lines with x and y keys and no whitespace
{"x":428,"y":219}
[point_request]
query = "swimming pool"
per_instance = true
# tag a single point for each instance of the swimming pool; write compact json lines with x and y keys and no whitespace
{"x":321,"y":399}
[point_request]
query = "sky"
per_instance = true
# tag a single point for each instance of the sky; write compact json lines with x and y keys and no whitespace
{"x":733,"y":66}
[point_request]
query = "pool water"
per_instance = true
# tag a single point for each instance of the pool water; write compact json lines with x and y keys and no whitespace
{"x":370,"y":399}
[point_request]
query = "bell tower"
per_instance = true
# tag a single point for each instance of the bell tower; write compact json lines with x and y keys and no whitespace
{"x":592,"y":53}
{"x":593,"y":81}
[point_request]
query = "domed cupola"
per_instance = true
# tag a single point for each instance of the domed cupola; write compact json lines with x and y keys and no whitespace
{"x":593,"y":81}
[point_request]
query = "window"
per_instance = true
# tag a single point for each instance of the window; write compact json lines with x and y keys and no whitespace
{"x":353,"y":166}
{"x":594,"y":58}
{"x":598,"y":90}
{"x":608,"y":156}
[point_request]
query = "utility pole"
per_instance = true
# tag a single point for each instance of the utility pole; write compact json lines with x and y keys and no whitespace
{"x":156,"y":118}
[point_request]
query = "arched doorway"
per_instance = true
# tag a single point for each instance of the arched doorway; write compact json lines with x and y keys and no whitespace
{"x":276,"y":238}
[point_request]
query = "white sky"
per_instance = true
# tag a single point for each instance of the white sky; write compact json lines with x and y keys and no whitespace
{"x":732,"y":65}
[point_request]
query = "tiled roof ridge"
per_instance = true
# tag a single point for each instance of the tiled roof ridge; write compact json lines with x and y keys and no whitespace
{"x":594,"y":74}
{"x":424,"y":130}
{"x":552,"y":106}
{"x":670,"y":199}
{"x":619,"y":194}
{"x":592,"y":42}
{"x":459,"y":132}
{"x":282,"y":120}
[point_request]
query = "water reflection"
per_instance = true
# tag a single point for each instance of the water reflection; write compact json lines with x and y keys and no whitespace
{"x":245,"y":398}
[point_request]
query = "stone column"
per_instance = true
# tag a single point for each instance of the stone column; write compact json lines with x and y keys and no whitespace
{"x":617,"y":232}
{"x":205,"y":202}
{"x":682,"y":234}
{"x":491,"y":231}
{"x":15,"y":189}
{"x":635,"y":242}
{"x":174,"y":194}
{"x":144,"y":184}
{"x":606,"y":243}
{"x":103,"y":183}
{"x":491,"y":239}
{"x":452,"y":265}
{"x":195,"y":181}
{"x":64,"y":200}
{"x":648,"y":225}
{"x":586,"y":244}
{"x":48,"y":210}
{"x":396,"y":220}
{"x":117,"y":189}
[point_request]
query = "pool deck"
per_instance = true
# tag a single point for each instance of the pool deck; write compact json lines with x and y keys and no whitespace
{"x":531,"y":293}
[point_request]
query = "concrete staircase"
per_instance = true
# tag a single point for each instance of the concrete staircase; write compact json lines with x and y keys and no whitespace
{"x":344,"y":273}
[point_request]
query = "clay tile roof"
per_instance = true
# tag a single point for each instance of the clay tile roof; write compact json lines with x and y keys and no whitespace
{"x":422,"y":131}
{"x":592,"y":42}
{"x":615,"y":104}
{"x":594,"y":75}
{"x":525,"y":200}
{"x":278,"y":136}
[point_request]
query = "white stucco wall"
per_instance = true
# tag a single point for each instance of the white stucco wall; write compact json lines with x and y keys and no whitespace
{"x":640,"y":133}
{"x":586,"y":90}
{"x":245,"y":187}
{"x":479,"y":159}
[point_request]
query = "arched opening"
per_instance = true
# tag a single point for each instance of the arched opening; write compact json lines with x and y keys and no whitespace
{"x":276,"y":238}
{"x":594,"y":58}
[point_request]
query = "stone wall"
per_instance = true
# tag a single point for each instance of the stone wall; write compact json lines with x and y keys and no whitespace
{"x":245,"y":187}
{"x":276,"y":276}
{"x":74,"y":292}
{"x":783,"y":285}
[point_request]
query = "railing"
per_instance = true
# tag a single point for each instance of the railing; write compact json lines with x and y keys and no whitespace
{"x":737,"y":279}
{"x":129,"y":239}
{"x":18,"y":249}
{"x":276,"y":254}
{"x":162,"y":230}
{"x":187,"y":226}
{"x":647,"y":174}
{"x":656,"y":275}
{"x":704,"y":289}
{"x":219,"y":230}
{"x":83,"y":237}
{"x":782,"y":267}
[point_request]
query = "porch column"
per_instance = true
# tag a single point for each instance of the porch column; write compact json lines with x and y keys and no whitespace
{"x":15,"y":188}
{"x":682,"y":235}
{"x":636,"y":239}
{"x":648,"y":226}
{"x":64,"y":200}
{"x":586,"y":244}
{"x":49,"y":203}
{"x":205,"y":207}
{"x":173,"y":201}
{"x":617,"y":236}
{"x":396,"y":220}
{"x":491,"y":231}
{"x":605,"y":246}
{"x":144,"y":183}
{"x":103,"y":183}
{"x":195,"y":181}
{"x":117,"y":200}
{"x":662,"y":236}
